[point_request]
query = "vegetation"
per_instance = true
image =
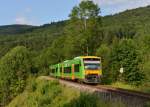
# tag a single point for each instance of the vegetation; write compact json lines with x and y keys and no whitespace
{"x":42,"y":93}
{"x":15,"y":67}
{"x":35,"y":39}
{"x":122,"y":40}
{"x":15,"y":29}
{"x":130,"y":87}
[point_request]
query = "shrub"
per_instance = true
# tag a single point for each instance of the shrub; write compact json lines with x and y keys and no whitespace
{"x":15,"y":67}
{"x":125,"y":55}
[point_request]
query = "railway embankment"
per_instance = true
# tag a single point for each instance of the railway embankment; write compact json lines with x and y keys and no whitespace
{"x":127,"y":97}
{"x":44,"y":92}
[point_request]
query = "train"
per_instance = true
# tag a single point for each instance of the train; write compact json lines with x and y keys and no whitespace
{"x":86,"y":69}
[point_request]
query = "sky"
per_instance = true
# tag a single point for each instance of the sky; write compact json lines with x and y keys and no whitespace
{"x":38,"y":12}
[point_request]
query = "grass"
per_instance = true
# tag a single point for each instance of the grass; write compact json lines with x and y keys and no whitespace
{"x":123,"y":85}
{"x":142,"y":88}
{"x":42,"y":93}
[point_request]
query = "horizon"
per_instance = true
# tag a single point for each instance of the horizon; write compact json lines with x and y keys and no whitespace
{"x":32,"y":13}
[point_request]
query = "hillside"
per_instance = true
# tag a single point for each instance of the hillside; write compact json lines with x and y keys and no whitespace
{"x":15,"y":29}
{"x":35,"y":38}
{"x":137,"y":16}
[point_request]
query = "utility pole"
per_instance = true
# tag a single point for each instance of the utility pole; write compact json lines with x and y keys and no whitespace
{"x":85,"y":27}
{"x":85,"y":23}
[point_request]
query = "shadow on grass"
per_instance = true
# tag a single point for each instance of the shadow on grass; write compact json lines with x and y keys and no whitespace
{"x":91,"y":100}
{"x":84,"y":100}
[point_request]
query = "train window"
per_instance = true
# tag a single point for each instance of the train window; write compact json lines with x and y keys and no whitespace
{"x":56,"y":70}
{"x":60,"y":69}
{"x":53,"y":70}
{"x":67,"y":70}
{"x":91,"y":59}
{"x":76,"y":68}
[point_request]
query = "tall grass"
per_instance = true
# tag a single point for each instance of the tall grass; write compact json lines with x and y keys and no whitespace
{"x":42,"y":93}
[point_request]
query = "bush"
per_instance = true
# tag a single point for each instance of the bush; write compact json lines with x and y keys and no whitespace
{"x":91,"y":100}
{"x":85,"y":100}
{"x":147,"y":104}
{"x":46,"y":94}
{"x":15,"y":67}
{"x":126,"y":55}
{"x":104,"y":52}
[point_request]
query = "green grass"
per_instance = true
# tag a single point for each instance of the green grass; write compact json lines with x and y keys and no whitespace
{"x":142,"y":88}
{"x":42,"y":93}
{"x":123,"y":85}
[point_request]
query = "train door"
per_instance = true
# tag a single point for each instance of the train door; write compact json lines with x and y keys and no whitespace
{"x":73,"y":75}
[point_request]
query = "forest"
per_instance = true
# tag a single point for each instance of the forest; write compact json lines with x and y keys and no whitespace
{"x":121,"y":40}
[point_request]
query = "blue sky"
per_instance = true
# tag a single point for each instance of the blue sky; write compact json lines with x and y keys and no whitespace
{"x":38,"y":12}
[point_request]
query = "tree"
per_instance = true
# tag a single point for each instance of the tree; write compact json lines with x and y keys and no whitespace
{"x":104,"y":52}
{"x":126,"y":31}
{"x":84,"y":28}
{"x":125,"y":55}
{"x":143,"y":42}
{"x":15,"y":67}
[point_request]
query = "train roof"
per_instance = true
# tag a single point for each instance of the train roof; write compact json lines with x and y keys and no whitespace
{"x":87,"y":57}
{"x":75,"y":60}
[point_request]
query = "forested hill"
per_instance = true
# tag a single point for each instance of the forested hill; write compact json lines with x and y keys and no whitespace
{"x":15,"y":29}
{"x":137,"y":16}
{"x":38,"y":37}
{"x":21,"y":29}
{"x":138,"y":19}
{"x":33,"y":37}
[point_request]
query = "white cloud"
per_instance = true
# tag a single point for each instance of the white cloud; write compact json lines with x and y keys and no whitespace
{"x":122,"y":5}
{"x":115,"y":2}
{"x":22,"y":20}
{"x":107,"y":2}
{"x":22,"y":16}
{"x":115,"y":6}
{"x":28,"y":10}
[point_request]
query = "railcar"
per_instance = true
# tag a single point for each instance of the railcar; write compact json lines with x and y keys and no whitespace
{"x":86,"y":69}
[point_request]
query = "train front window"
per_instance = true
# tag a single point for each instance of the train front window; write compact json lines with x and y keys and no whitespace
{"x":92,"y":64}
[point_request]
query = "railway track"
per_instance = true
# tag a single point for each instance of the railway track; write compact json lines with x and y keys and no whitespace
{"x":128,"y":97}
